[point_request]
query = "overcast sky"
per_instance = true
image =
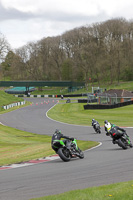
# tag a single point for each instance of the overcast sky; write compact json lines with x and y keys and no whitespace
{"x":23,"y":21}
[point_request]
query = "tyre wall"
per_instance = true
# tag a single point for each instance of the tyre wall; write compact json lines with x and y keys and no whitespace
{"x":98,"y":106}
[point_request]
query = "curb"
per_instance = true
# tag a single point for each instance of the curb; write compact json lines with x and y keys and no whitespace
{"x":37,"y":161}
{"x":29,"y":163}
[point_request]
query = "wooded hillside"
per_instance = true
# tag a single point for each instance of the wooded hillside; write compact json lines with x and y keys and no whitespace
{"x":98,"y":52}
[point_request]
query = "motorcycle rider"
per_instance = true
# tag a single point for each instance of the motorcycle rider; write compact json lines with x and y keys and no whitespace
{"x":107,"y":127}
{"x":57,"y":136}
{"x":94,"y":123}
{"x":115,"y":131}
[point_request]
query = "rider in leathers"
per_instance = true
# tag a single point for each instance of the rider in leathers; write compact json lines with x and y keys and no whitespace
{"x":57,"y":136}
{"x":115,"y":131}
{"x":95,"y":123}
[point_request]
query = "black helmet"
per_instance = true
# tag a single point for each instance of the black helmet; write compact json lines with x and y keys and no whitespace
{"x":105,"y":122}
{"x":57,"y":131}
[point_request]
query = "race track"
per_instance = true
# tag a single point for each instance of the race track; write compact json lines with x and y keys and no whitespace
{"x":103,"y":165}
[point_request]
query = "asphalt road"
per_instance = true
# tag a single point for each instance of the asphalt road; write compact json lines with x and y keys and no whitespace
{"x":103,"y":165}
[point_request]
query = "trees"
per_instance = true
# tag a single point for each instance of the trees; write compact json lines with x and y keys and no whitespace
{"x":101,"y":51}
{"x":128,"y":52}
{"x":29,"y":55}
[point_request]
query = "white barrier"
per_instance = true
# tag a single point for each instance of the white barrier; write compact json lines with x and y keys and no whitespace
{"x":13,"y":104}
{"x":33,"y":96}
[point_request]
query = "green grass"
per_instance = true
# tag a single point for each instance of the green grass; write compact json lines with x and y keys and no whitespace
{"x":117,"y":191}
{"x":51,"y":91}
{"x":6,"y":99}
{"x":122,"y":85}
{"x":74,"y":113}
{"x":19,"y":146}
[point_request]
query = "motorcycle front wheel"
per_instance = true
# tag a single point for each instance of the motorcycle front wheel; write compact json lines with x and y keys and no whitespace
{"x":81,"y":153}
{"x":64,"y":154}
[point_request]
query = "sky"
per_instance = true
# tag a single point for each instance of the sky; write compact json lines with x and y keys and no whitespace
{"x":23,"y":21}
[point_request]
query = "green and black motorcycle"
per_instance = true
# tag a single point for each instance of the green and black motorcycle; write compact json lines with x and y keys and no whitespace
{"x":123,"y":141}
{"x":67,"y":149}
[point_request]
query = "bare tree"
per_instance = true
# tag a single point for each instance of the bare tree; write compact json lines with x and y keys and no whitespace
{"x":57,"y":56}
{"x":4,"y":47}
{"x":29,"y":56}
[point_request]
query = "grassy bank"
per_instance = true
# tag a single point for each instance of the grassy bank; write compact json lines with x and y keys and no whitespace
{"x":117,"y":191}
{"x":74,"y":113}
{"x":6,"y":99}
{"x":19,"y":146}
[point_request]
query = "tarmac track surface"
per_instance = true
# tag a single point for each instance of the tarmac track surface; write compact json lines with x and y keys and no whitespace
{"x":103,"y":165}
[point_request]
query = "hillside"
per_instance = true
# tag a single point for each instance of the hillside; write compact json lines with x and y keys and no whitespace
{"x":6,"y":99}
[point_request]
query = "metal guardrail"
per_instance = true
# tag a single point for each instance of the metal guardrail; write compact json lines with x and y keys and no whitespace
{"x":13,"y":104}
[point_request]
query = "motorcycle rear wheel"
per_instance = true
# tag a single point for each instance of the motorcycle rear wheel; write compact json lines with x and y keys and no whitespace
{"x":64,"y":154}
{"x":98,"y":130}
{"x":121,"y":144}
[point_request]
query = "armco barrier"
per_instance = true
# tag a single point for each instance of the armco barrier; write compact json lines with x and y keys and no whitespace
{"x":99,"y":106}
{"x":34,"y":96}
{"x":13,"y":104}
{"x":59,"y":96}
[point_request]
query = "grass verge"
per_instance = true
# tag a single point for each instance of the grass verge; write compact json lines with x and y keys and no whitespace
{"x":6,"y":99}
{"x":19,"y":146}
{"x":117,"y":191}
{"x":74,"y":113}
